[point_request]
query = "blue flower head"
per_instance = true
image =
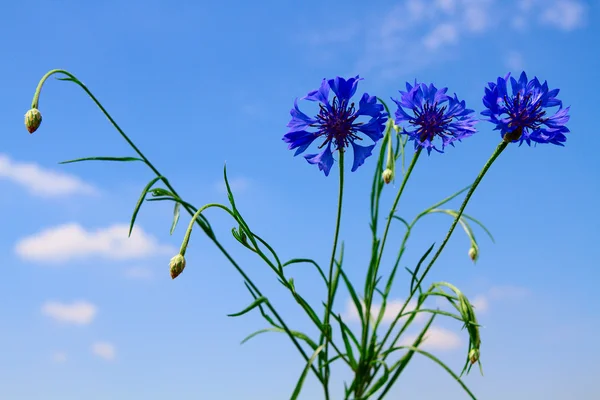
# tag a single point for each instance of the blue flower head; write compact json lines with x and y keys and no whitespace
{"x":522,"y":116}
{"x":336,"y":123}
{"x":428,"y":112}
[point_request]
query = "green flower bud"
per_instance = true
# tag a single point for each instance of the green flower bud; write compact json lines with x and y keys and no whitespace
{"x":473,"y":355}
{"x":473,"y":253}
{"x":176,"y":265}
{"x":33,"y":120}
{"x":388,"y":175}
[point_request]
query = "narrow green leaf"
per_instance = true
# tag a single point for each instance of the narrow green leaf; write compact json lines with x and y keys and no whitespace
{"x":175,"y":217}
{"x":414,"y":278}
{"x":140,"y":201}
{"x":380,"y":382}
{"x":296,"y":334}
{"x":441,"y":364}
{"x":307,"y":260}
{"x":253,"y":305}
{"x":123,"y":159}
{"x":300,"y":383}
{"x":354,"y":297}
{"x":442,"y":202}
{"x":347,"y":345}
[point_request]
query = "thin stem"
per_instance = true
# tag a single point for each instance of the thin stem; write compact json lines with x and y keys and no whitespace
{"x":331,"y":288}
{"x":369,"y":289}
{"x":480,"y":176}
{"x":187,"y":207}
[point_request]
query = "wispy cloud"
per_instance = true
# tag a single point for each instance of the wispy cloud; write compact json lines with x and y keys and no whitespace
{"x":237,"y":185}
{"x":104,"y":350}
{"x":508,"y":292}
{"x":59,"y":357}
{"x":515,"y":62}
{"x":42,"y":182}
{"x":416,"y":33}
{"x":435,"y":339}
{"x":76,"y":313}
{"x":442,"y":34}
{"x":64,"y":243}
{"x":392,"y":310}
{"x":139,"y":273}
{"x":564,"y":14}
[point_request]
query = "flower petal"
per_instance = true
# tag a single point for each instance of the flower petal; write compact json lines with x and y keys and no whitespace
{"x":360,"y":155}
{"x":324,"y":159}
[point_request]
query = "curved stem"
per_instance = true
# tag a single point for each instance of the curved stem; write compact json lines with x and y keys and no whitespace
{"x":330,"y":285}
{"x":370,"y":281}
{"x":499,"y":149}
{"x":187,"y":207}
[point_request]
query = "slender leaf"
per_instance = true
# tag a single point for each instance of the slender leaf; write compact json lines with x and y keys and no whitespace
{"x":175,"y":217}
{"x":253,"y":305}
{"x":300,"y":383}
{"x":123,"y":159}
{"x":296,"y":334}
{"x":140,"y":201}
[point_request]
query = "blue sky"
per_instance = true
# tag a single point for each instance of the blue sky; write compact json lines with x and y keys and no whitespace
{"x":86,"y":314}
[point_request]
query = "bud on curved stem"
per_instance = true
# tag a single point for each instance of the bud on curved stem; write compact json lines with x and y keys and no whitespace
{"x":177,"y":265}
{"x":474,"y":252}
{"x":33,"y":120}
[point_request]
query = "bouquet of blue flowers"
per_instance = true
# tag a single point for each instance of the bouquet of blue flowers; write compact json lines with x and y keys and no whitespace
{"x":430,"y":119}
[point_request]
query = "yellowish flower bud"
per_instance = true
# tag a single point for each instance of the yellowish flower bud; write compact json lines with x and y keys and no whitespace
{"x":473,"y":355}
{"x":388,"y":175}
{"x":33,"y":120}
{"x":177,"y":265}
{"x":473,"y":254}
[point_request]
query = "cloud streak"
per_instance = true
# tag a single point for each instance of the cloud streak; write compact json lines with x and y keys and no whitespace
{"x":43,"y":182}
{"x":69,"y":242}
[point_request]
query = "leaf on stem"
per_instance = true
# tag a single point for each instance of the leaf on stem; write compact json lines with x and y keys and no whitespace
{"x":120,"y":159}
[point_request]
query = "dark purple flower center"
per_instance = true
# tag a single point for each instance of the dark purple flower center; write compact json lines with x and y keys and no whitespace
{"x":523,"y":112}
{"x":430,"y":121}
{"x":337,"y":124}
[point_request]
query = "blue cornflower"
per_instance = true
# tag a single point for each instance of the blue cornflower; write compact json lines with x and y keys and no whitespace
{"x":434,"y":114}
{"x":336,"y":123}
{"x":522,"y":116}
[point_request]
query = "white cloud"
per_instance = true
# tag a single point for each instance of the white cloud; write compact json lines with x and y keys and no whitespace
{"x":441,"y":35}
{"x":237,"y":185}
{"x":508,"y":292}
{"x":71,"y":241}
{"x":476,"y":16}
{"x":42,"y":182}
{"x":480,"y":303}
{"x":392,"y":309}
{"x":59,"y":357}
{"x":104,"y":350}
{"x":139,"y":273}
{"x":445,"y":5}
{"x":77,"y":313}
{"x":515,"y":62}
{"x":564,"y":14}
{"x":435,"y":339}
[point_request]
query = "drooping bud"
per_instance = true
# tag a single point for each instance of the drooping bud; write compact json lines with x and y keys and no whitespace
{"x":473,"y":355}
{"x":177,"y":265}
{"x":33,"y":120}
{"x":473,"y":253}
{"x":388,"y":175}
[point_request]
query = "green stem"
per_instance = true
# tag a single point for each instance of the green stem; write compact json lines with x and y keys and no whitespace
{"x":331,"y":291}
{"x":187,"y":207}
{"x":499,"y":149}
{"x":370,"y":282}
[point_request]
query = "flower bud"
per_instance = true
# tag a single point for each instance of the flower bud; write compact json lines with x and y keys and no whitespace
{"x":177,"y":265}
{"x":33,"y":119}
{"x":473,"y":355}
{"x":388,"y":175}
{"x":473,"y":253}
